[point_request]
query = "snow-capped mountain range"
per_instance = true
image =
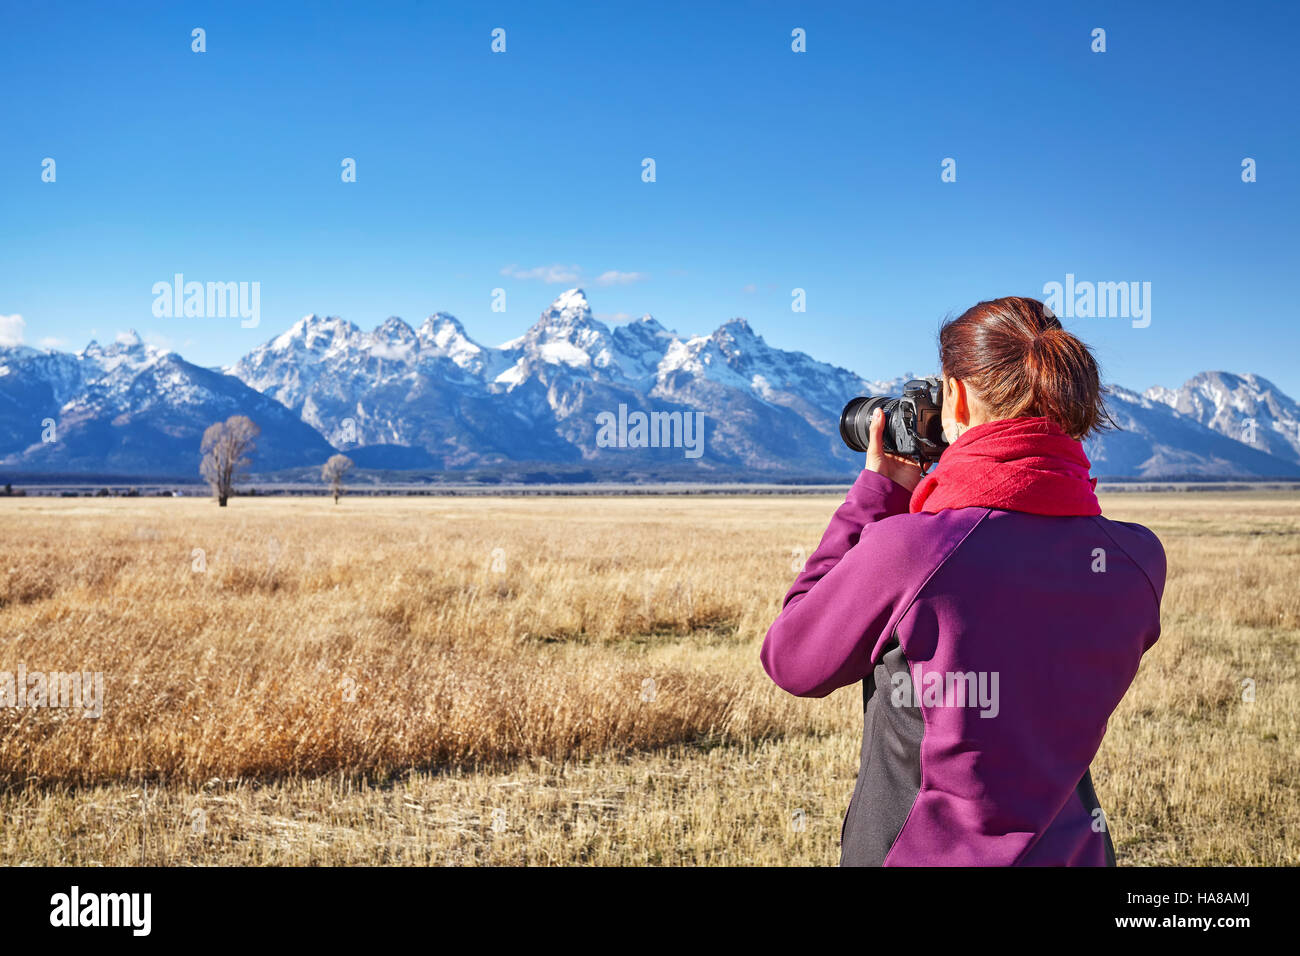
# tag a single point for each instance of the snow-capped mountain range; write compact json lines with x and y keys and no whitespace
{"x":1246,"y":407}
{"x":129,"y":408}
{"x":433,"y":399}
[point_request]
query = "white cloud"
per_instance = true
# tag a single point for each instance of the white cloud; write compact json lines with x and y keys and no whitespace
{"x":11,"y":329}
{"x":394,"y":351}
{"x":614,"y":277}
{"x":548,"y":274}
{"x":53,"y":342}
{"x":571,"y":275}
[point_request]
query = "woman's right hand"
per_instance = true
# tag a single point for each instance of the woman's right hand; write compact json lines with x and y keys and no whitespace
{"x":899,"y":470}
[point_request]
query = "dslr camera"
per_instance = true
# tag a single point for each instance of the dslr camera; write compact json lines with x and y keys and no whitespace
{"x":913,"y":425}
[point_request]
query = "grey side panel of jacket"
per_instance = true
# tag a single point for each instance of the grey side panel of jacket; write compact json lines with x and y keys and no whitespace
{"x":1088,"y":797}
{"x":889,"y":774}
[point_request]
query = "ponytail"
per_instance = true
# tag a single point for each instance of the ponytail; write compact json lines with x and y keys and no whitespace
{"x":1019,"y":360}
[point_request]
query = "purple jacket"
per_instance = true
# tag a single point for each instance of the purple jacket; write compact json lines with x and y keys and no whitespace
{"x":992,"y":647}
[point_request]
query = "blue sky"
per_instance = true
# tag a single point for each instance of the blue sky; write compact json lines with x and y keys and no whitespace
{"x":775,"y":169}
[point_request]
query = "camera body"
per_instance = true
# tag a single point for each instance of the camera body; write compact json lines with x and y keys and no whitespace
{"x":913,"y":423}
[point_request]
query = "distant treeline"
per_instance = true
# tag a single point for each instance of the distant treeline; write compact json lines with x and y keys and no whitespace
{"x":531,"y":481}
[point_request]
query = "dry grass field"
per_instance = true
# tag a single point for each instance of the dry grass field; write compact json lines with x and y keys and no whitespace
{"x":554,"y":681}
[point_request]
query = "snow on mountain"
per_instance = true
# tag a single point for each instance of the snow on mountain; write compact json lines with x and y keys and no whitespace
{"x":443,"y":336}
{"x":1247,"y":408}
{"x":286,"y":368}
{"x":432,"y":397}
{"x":569,"y":367}
{"x":398,"y":397}
{"x":766,"y":409}
{"x":641,"y":346}
{"x":1155,"y":441}
{"x":568,"y":337}
{"x":130,"y":408}
{"x":737,"y":357}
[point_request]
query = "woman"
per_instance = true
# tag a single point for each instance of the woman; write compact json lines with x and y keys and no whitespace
{"x":994,"y":617}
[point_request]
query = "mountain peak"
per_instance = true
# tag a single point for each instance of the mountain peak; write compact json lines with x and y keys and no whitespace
{"x":1245,"y":407}
{"x":315,"y":331}
{"x":128,"y":346}
{"x":445,"y":333}
{"x":569,"y":313}
{"x":395,"y":327}
{"x":1231,"y":380}
{"x":649,"y":323}
{"x":575,"y":300}
{"x":313,"y":320}
{"x":443,"y":320}
{"x":570,"y":310}
{"x":736,"y":332}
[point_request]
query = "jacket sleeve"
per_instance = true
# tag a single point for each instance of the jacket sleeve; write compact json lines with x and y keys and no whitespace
{"x":831,"y":617}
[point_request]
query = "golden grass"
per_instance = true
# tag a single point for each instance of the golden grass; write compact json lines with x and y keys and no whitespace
{"x":371,"y":682}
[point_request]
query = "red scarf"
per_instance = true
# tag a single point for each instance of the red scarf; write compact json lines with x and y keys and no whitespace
{"x":1016,"y":464}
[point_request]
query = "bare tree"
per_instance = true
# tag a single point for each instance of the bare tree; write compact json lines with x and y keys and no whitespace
{"x":226,"y":449}
{"x":333,"y":472}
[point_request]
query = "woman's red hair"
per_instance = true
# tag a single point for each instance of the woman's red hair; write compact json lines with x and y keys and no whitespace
{"x":1018,"y":359}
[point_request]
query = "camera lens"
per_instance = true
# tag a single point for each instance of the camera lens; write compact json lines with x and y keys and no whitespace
{"x":855,"y":420}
